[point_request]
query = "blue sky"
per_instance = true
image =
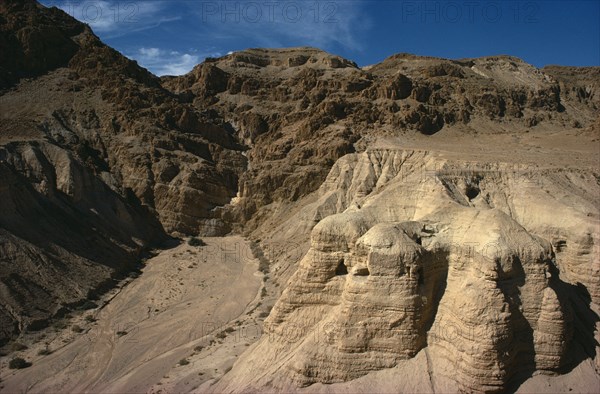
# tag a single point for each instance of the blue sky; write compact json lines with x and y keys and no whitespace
{"x":170,"y":37}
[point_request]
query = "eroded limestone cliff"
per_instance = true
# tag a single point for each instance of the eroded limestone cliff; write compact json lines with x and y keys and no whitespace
{"x":445,"y":207}
{"x":410,"y":251}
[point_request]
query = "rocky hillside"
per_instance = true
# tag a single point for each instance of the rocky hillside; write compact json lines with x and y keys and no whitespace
{"x":100,"y":160}
{"x":480,"y":266}
{"x":98,"y":163}
{"x":300,"y":109}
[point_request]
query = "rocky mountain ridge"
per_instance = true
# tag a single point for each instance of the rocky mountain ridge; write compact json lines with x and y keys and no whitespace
{"x":97,"y":134}
{"x":288,"y":104}
{"x":100,"y":161}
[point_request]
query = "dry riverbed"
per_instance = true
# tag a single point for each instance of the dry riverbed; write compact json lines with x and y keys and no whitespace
{"x":180,"y":324}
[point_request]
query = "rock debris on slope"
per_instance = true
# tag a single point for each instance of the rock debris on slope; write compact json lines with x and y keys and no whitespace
{"x":101,"y":160}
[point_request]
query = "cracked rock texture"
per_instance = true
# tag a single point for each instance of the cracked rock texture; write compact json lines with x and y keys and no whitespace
{"x":432,"y":212}
{"x":413,"y":252}
{"x":98,"y":163}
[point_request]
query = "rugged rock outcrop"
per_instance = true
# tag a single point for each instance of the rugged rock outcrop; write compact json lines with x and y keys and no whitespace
{"x":98,"y":163}
{"x":491,"y":271}
{"x":59,"y":222}
{"x":300,"y":109}
{"x":415,"y":253}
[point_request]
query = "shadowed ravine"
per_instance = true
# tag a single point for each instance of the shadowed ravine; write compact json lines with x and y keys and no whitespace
{"x":284,"y":220}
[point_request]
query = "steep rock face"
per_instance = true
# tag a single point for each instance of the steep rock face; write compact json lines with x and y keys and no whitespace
{"x":118,"y":119}
{"x":554,"y":331}
{"x":92,"y":135}
{"x":96,"y":149}
{"x":300,"y":109}
{"x":412,"y":252}
{"x":77,"y":227}
{"x":36,"y":41}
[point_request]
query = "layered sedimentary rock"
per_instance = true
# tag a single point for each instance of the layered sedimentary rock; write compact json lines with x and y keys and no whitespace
{"x":98,"y":164}
{"x":492,"y":270}
{"x":300,"y":109}
{"x":64,"y":234}
{"x":412,"y":253}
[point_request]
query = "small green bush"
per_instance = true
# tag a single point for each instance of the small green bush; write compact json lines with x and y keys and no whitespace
{"x":18,"y":363}
{"x":221,"y":335}
{"x":263,"y":262}
{"x":76,"y":328}
{"x":195,"y":241}
{"x":60,"y":325}
{"x":44,"y":352}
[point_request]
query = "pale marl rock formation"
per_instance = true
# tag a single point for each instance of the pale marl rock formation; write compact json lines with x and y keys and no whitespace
{"x":485,"y":271}
{"x":412,"y":252}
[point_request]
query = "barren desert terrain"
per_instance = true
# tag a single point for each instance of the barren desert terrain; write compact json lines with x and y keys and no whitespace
{"x":283,"y":220}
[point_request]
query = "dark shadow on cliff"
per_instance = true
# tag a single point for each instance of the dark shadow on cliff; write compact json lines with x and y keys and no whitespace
{"x":583,"y":344}
{"x":520,"y":362}
{"x":574,"y":300}
{"x":432,"y":284}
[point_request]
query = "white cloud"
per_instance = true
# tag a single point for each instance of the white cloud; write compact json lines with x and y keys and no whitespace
{"x":115,"y":18}
{"x":168,"y":62}
{"x":150,"y":52}
{"x":277,"y":24}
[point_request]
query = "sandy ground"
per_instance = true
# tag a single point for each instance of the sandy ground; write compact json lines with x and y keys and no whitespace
{"x":203,"y":306}
{"x":573,"y":148}
{"x":196,"y":304}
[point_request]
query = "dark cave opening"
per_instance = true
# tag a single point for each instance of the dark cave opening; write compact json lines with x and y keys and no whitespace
{"x":341,"y":268}
{"x":471,"y":192}
{"x":362,"y":272}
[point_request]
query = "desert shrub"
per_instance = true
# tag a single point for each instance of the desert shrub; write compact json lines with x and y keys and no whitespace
{"x":16,"y":346}
{"x":183,"y":361}
{"x":263,"y":262}
{"x":18,"y":363}
{"x":76,"y":328}
{"x":221,"y":335}
{"x":263,"y":314}
{"x":60,"y":325}
{"x":198,"y":348}
{"x":195,"y":241}
{"x":44,"y":352}
{"x":89,"y":319}
{"x":121,"y":333}
{"x":88,"y":305}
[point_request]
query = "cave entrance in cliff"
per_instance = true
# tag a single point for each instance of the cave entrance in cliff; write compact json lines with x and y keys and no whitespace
{"x":471,"y":192}
{"x":364,"y":271}
{"x":341,"y":268}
